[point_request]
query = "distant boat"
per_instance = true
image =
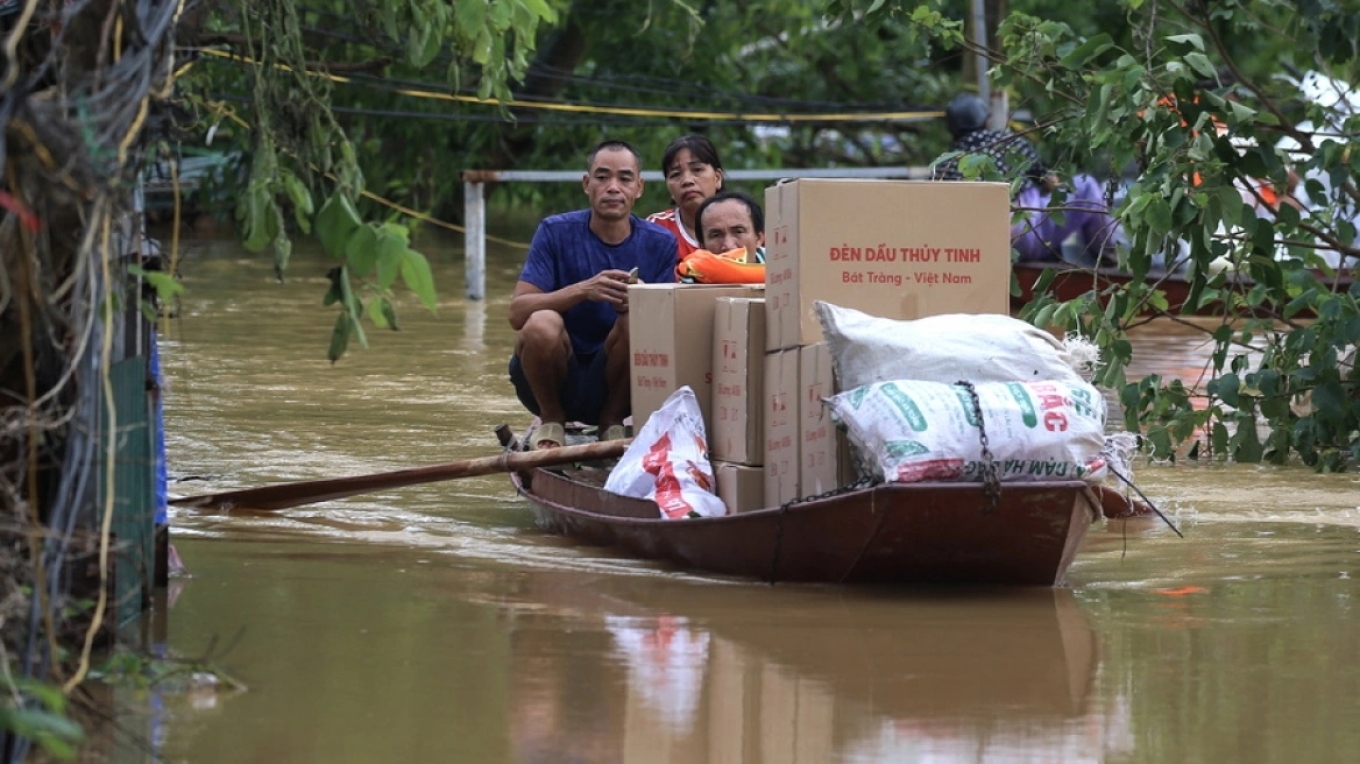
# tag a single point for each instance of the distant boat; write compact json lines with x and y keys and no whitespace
{"x":1072,"y":281}
{"x":193,"y":175}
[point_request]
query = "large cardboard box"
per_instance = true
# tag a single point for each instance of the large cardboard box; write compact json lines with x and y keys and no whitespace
{"x":738,"y":432}
{"x":896,"y":249}
{"x":781,"y":427}
{"x":671,"y":343}
{"x":740,"y":486}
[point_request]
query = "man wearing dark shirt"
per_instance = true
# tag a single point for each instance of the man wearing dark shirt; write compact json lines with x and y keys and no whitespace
{"x":570,"y":307}
{"x":1037,"y":236}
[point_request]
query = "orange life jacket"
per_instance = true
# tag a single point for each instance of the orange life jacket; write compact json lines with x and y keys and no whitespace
{"x":730,"y":267}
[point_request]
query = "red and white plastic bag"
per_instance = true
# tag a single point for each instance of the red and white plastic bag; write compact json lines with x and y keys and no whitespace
{"x":667,"y":462}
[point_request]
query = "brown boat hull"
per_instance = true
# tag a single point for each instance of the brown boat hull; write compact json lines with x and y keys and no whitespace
{"x":889,"y":534}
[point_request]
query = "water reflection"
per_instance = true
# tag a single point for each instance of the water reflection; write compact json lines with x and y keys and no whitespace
{"x":724,"y":674}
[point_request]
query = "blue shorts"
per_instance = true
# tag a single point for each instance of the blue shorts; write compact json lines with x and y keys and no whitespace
{"x":583,"y":392}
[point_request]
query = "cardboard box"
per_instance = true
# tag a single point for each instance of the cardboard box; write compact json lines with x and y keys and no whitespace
{"x":740,"y":486}
{"x":896,"y":249}
{"x":781,"y":427}
{"x":738,"y":431}
{"x":671,"y":343}
{"x":820,"y":444}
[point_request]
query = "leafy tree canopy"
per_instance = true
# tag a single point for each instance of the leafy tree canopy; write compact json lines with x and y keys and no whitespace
{"x":1206,"y":109}
{"x":1235,"y":123}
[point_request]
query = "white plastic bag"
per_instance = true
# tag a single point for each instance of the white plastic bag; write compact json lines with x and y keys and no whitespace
{"x":910,"y":431}
{"x":947,"y":348}
{"x":668,"y":462}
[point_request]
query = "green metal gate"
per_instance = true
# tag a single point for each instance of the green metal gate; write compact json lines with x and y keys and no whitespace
{"x":134,"y":471}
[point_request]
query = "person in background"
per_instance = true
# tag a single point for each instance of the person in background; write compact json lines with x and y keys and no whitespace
{"x":732,"y":219}
{"x":693,"y":173}
{"x":570,"y":307}
{"x":1037,"y":236}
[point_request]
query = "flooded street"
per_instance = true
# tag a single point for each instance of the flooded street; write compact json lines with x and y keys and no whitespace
{"x":436,"y":623}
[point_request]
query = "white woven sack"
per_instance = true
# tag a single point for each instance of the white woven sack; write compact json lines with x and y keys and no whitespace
{"x":909,"y":431}
{"x":947,"y":348}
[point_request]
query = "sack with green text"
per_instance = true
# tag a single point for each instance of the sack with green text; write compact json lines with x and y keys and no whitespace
{"x":909,"y":431}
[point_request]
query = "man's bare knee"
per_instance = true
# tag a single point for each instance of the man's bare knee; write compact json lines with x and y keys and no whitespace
{"x":544,"y":332}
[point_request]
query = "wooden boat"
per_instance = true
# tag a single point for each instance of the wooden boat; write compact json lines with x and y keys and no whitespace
{"x":886,"y":534}
{"x":1071,"y":281}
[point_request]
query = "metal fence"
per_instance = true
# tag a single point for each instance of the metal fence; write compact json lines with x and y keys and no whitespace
{"x":474,"y":199}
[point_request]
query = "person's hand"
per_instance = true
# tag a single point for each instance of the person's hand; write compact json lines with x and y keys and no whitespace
{"x":609,"y":286}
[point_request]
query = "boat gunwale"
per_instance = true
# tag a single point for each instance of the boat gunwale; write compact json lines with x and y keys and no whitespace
{"x":525,"y":490}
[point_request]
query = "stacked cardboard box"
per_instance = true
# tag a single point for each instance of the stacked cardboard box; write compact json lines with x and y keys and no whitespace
{"x":897,"y":249}
{"x":671,"y":343}
{"x":737,"y":438}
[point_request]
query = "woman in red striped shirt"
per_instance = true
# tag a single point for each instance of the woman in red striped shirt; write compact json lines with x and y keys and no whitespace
{"x":693,"y":173}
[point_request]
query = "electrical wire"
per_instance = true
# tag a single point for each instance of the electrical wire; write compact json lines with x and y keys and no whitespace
{"x":586,"y":108}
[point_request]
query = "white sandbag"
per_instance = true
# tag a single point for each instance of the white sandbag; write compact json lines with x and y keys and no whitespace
{"x":668,"y":462}
{"x":947,"y":348}
{"x":908,"y":431}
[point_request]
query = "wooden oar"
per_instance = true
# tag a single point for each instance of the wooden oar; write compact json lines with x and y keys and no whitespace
{"x":287,"y":495}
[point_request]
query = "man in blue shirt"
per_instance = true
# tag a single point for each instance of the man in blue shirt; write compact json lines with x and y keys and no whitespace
{"x":570,"y":307}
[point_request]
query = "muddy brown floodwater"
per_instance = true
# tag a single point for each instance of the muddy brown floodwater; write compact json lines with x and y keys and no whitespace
{"x":437,"y":624}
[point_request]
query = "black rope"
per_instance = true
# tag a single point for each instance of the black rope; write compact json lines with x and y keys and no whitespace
{"x":1144,"y":497}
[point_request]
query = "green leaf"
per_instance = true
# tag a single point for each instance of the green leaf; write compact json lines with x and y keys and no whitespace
{"x":1226,"y":388}
{"x":339,"y":337}
{"x":166,"y":286}
{"x":415,"y":271}
{"x":283,"y":252}
{"x":540,"y":9}
{"x":391,"y":251}
{"x":1159,"y":216}
{"x":1219,"y":438}
{"x":361,"y":251}
{"x":1087,"y":50}
{"x":1329,"y":400}
{"x":348,"y":301}
{"x":470,"y":15}
{"x":335,"y":292}
{"x":301,"y":199}
{"x":481,"y":48}
{"x":1242,"y":113}
{"x":256,"y":218}
{"x":433,"y":45}
{"x":1200,"y":63}
{"x":1247,"y":446}
{"x":1230,"y":202}
{"x":376,"y":314}
{"x":1183,"y":42}
{"x":335,"y":223}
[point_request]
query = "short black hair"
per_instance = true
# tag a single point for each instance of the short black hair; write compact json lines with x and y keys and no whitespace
{"x":966,"y":113}
{"x":612,"y":145}
{"x":752,"y":206}
{"x":699,"y":146}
